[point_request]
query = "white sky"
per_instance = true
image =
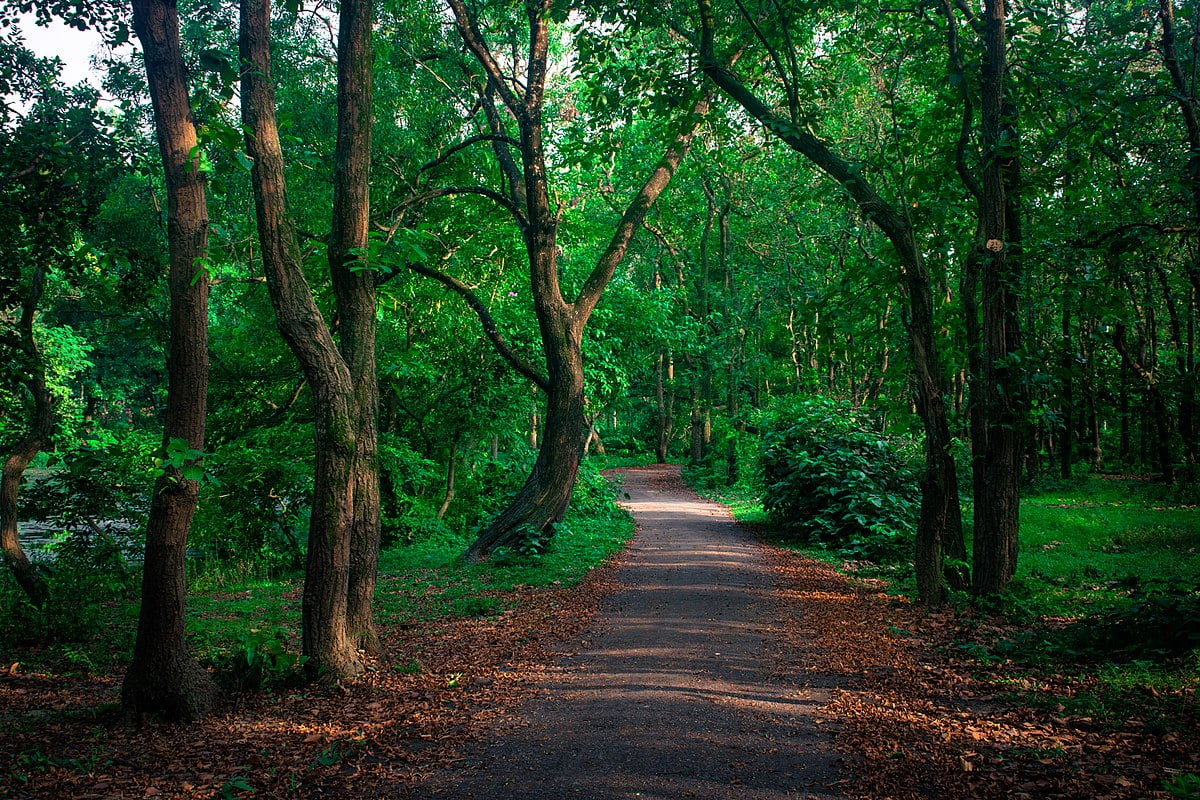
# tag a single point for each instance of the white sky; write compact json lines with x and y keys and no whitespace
{"x":74,"y":48}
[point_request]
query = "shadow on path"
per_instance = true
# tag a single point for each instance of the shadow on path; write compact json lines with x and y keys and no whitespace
{"x":670,"y":693}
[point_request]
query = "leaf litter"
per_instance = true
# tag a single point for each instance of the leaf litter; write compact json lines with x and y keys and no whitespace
{"x":913,"y":716}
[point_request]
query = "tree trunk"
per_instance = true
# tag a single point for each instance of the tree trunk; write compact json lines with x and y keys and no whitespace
{"x":354,"y":291}
{"x":997,"y":498}
{"x":1158,"y":405}
{"x":663,"y":409}
{"x":328,"y":641}
{"x":163,"y":677}
{"x":451,"y":468}
{"x":41,"y":432}
{"x":696,"y":450}
{"x":1066,"y":444}
{"x":546,"y":494}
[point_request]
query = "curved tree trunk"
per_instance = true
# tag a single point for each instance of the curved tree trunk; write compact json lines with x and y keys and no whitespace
{"x":327,"y":639}
{"x":163,"y":676}
{"x":41,"y":431}
{"x":544,"y":498}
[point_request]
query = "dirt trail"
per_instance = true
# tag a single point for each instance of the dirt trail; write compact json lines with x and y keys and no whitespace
{"x":670,"y":693}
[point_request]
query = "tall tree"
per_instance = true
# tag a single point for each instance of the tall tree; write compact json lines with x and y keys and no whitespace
{"x":342,"y":549}
{"x":354,"y":290}
{"x":990,"y":288}
{"x":544,"y":498}
{"x":163,"y":676}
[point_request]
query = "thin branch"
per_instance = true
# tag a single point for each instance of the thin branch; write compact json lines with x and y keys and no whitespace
{"x":473,"y":38}
{"x":508,"y":165}
{"x":483,"y":137}
{"x":969,"y":15}
{"x":489,"y":324}
{"x":789,"y":89}
{"x":450,"y":191}
{"x":968,"y":111}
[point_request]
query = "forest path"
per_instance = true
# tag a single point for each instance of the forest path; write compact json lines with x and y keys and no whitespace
{"x":671,"y":692}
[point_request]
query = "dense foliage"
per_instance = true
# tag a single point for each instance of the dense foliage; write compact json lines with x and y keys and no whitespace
{"x":829,"y":480}
{"x":758,"y":326}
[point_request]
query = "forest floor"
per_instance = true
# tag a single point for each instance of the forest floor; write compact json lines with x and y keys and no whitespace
{"x":703,"y":663}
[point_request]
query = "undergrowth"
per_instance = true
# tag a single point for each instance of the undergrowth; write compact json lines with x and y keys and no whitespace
{"x":1106,"y":597}
{"x":245,"y":623}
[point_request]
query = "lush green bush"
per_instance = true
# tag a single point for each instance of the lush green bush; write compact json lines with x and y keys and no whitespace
{"x":259,"y":659}
{"x":831,"y":480}
{"x":486,"y":486}
{"x":87,"y":619}
{"x":106,"y":478}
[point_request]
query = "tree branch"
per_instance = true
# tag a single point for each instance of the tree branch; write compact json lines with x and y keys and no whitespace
{"x":508,"y":165}
{"x":483,"y":137}
{"x":968,"y":111}
{"x":802,"y":141}
{"x":489,"y":324}
{"x":450,"y":191}
{"x":635,"y":212}
{"x":473,"y":38}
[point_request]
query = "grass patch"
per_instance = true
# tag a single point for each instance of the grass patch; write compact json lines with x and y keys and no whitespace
{"x":234,"y":614}
{"x":1081,"y":548}
{"x":621,"y":460}
{"x":425,"y":581}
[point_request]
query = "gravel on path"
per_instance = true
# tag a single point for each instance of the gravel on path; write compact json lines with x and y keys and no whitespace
{"x":671,"y":693}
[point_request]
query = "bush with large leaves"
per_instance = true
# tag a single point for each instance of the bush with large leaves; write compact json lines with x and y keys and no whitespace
{"x":830,"y":480}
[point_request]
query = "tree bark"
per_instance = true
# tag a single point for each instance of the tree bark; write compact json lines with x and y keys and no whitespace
{"x":354,"y":291}
{"x":1066,"y":444}
{"x":451,"y":468}
{"x":38,"y":438}
{"x":163,"y":677}
{"x":664,"y":398}
{"x":328,"y":641}
{"x":997,"y":500}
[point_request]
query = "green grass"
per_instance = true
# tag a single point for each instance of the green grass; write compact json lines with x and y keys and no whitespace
{"x":621,"y":460}
{"x":1078,"y":545}
{"x":426,"y":581}
{"x":231,"y":608}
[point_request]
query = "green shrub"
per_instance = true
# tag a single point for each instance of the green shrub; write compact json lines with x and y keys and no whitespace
{"x":419,"y":526}
{"x":263,"y":481}
{"x":105,"y":478}
{"x":593,"y":493}
{"x":485,"y":488}
{"x":831,"y":481}
{"x":85,"y":621}
{"x":260,"y":660}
